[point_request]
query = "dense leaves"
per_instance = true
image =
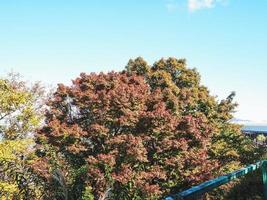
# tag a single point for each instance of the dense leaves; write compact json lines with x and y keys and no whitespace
{"x":20,"y":114}
{"x":139,"y":134}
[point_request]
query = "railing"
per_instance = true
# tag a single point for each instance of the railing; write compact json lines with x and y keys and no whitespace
{"x":207,"y":186}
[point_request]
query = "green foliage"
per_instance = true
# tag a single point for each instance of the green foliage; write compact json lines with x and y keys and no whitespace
{"x":261,"y":138}
{"x":19,"y":117}
{"x":249,"y":187}
{"x":87,"y":194}
{"x":233,"y":148}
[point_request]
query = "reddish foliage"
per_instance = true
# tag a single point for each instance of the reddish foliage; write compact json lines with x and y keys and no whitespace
{"x":130,"y":140}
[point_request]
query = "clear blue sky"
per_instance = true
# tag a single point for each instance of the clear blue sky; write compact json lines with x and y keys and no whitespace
{"x":226,"y":40}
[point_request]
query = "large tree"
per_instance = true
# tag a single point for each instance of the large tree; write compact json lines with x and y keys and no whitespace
{"x":139,"y":134}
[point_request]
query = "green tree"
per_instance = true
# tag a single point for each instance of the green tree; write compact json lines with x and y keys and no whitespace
{"x":20,"y":115}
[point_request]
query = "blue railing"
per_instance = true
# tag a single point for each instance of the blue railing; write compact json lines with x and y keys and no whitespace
{"x":207,"y":186}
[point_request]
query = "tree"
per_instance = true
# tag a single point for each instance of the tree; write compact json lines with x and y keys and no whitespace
{"x":138,"y":134}
{"x":19,"y":116}
{"x":185,"y":95}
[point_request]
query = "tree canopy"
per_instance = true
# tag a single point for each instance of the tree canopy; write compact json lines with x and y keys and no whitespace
{"x":137,"y":134}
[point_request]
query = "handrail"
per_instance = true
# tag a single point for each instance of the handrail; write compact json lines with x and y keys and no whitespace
{"x":207,"y":186}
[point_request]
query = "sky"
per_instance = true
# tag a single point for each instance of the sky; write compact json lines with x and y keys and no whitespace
{"x":226,"y":40}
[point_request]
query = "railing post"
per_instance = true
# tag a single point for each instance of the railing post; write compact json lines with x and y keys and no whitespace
{"x":264,"y":178}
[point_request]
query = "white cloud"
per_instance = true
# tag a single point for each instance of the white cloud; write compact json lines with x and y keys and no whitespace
{"x":194,"y":5}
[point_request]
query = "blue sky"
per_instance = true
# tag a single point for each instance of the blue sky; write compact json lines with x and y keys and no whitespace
{"x":226,"y":40}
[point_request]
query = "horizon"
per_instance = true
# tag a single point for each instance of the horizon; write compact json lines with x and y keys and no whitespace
{"x":247,"y":123}
{"x":219,"y":38}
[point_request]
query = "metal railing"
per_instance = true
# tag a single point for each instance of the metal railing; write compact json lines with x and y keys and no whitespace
{"x":197,"y":191}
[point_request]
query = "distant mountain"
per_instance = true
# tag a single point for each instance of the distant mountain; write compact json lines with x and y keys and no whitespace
{"x":249,"y":122}
{"x":241,"y":121}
